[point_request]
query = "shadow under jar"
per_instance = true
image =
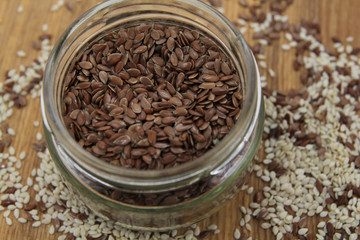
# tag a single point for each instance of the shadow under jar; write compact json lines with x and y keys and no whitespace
{"x":154,"y":199}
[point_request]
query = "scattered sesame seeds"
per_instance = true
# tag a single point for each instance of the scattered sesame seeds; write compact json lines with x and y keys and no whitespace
{"x":285,"y":152}
{"x":36,"y":123}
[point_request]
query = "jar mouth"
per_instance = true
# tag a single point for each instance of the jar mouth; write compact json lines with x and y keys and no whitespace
{"x":245,"y":66}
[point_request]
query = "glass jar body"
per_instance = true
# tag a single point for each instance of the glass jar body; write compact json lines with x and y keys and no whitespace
{"x":212,"y":180}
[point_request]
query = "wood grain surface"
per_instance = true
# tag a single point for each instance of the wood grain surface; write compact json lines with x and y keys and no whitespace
{"x":18,"y":30}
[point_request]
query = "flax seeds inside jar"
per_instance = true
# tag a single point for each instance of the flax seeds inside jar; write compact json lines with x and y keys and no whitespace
{"x":152,"y":111}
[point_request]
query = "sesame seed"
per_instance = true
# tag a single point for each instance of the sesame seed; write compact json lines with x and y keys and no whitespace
{"x":237,"y":234}
{"x":285,"y":47}
{"x":248,"y":226}
{"x":11,"y":131}
{"x":36,"y":223}
{"x":21,"y":53}
{"x":38,"y":136}
{"x":303,"y":231}
{"x":20,"y":9}
{"x":350,"y":39}
{"x":22,"y":155}
{"x":242,"y":222}
{"x":11,"y":150}
{"x":22,"y":220}
{"x":16,"y":213}
{"x":36,"y":123}
{"x":212,"y":227}
{"x":6,"y":213}
{"x":8,"y":221}
{"x":250,"y":190}
{"x":271,"y":72}
{"x":243,"y":30}
{"x":44,"y":27}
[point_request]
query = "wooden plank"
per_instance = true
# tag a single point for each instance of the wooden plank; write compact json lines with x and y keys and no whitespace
{"x":18,"y":30}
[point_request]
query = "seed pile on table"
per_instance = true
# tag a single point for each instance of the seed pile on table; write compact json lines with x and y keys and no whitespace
{"x":311,"y":135}
{"x":151,"y":96}
{"x":311,"y":145}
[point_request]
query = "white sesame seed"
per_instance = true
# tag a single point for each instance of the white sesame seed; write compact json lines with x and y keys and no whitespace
{"x":243,"y":30}
{"x":243,"y":210}
{"x":38,"y":136}
{"x":11,"y":207}
{"x":22,"y":220}
{"x":350,"y":39}
{"x":21,"y":53}
{"x":22,"y":155}
{"x":8,"y":221}
{"x":271,"y":72}
{"x":353,"y":236}
{"x":44,"y":27}
{"x":303,"y":231}
{"x":248,"y":226}
{"x":212,"y":227}
{"x":279,"y":236}
{"x":16,"y":213}
{"x":263,"y":42}
{"x":288,"y":36}
{"x":36,"y":223}
{"x":51,"y":229}
{"x":285,"y":47}
{"x":237,"y":234}
{"x":36,"y":123}
{"x":263,"y":64}
{"x":265,"y":225}
{"x":196,"y":232}
{"x":20,"y":9}
{"x":11,"y":150}
{"x":265,"y":178}
{"x":244,"y":187}
{"x":247,"y":218}
{"x":6,"y":213}
{"x":242,"y":222}
{"x":11,"y":131}
{"x":241,"y":21}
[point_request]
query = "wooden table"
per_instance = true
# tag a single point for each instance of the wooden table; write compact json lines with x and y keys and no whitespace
{"x":19,"y":29}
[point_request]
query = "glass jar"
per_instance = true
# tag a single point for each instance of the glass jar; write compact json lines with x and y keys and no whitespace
{"x":209,"y":180}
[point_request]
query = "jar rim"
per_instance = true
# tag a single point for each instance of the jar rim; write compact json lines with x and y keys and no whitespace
{"x":208,"y":161}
